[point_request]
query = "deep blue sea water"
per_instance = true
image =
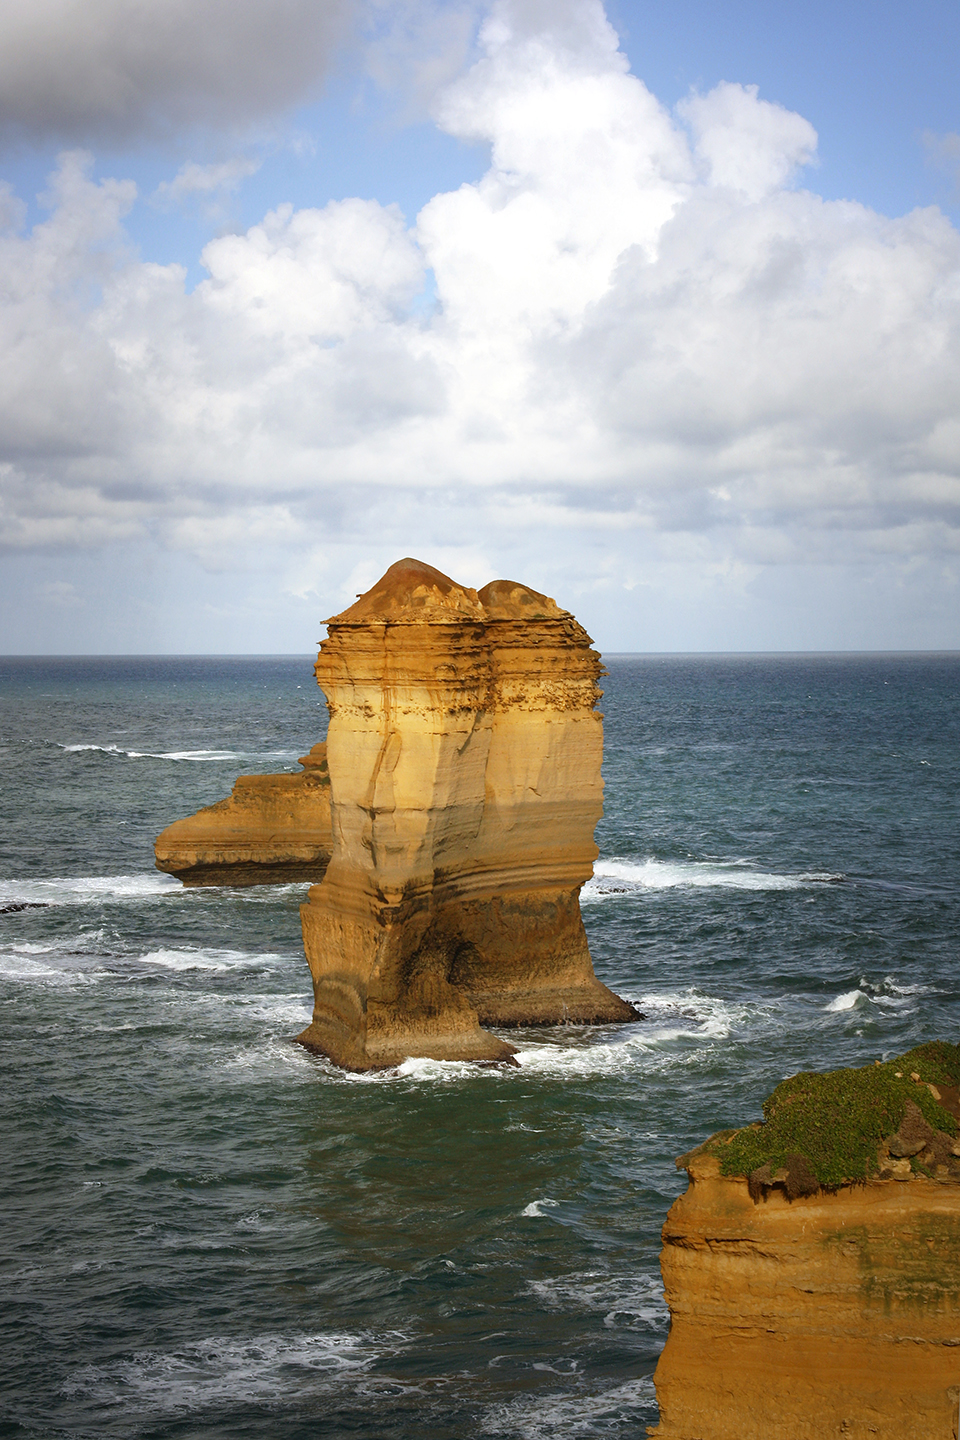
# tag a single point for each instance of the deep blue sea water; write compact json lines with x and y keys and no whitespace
{"x":209,"y":1232}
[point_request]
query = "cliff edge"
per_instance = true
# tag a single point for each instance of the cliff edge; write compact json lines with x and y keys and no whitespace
{"x":812,"y":1268}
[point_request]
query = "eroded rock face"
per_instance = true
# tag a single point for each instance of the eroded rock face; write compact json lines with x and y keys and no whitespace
{"x":273,"y":829}
{"x":832,"y":1313}
{"x":464,"y":752}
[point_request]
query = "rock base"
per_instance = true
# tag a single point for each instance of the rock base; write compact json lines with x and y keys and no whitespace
{"x":436,"y":972}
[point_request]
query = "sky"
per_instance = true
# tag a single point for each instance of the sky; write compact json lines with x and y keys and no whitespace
{"x":655,"y":308}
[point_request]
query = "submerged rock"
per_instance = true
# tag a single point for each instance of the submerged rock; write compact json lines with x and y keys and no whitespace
{"x":812,"y":1268}
{"x":464,"y":750}
{"x":273,"y":830}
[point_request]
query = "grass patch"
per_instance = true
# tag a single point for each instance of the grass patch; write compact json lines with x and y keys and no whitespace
{"x":836,"y":1121}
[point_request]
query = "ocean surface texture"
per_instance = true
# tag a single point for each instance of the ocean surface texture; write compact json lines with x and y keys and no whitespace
{"x":209,"y":1232}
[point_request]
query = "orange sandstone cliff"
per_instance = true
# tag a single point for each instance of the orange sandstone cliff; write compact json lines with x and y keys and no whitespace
{"x":805,"y":1310}
{"x":272,"y":830}
{"x":464,"y":749}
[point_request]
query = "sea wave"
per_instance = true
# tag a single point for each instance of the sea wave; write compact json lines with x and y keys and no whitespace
{"x":626,"y":1301}
{"x":887,"y":994}
{"x":626,"y":877}
{"x":194,"y":755}
{"x":535,"y":1210}
{"x":225,"y":1370}
{"x":88,"y":889}
{"x":678,"y":1025}
{"x":559,"y":1417}
{"x":201,"y":958}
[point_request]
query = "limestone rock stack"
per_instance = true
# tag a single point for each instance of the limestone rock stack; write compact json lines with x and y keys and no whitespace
{"x":464,"y":750}
{"x":273,"y":829}
{"x":804,"y":1311}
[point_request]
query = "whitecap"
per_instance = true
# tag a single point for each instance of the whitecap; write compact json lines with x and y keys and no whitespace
{"x":226,"y":1370}
{"x":627,"y":877}
{"x":16,"y":966}
{"x":201,"y":959}
{"x":625,"y":1301}
{"x":849,"y":1000}
{"x":89,"y":889}
{"x":558,"y":1417}
{"x":422,"y":1068}
{"x":155,"y":754}
{"x":195,"y":756}
{"x":30,"y":972}
{"x":678,"y":1028}
{"x":534,"y":1211}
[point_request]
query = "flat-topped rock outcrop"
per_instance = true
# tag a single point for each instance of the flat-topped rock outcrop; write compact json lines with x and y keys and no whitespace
{"x":272,"y":830}
{"x":812,"y":1268}
{"x":464,"y":749}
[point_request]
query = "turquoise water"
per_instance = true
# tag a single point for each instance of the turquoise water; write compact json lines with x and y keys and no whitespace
{"x":208,"y":1231}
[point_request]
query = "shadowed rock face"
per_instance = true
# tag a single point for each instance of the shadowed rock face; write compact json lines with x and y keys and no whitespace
{"x":807,"y":1312}
{"x":464,"y":753}
{"x":273,"y":829}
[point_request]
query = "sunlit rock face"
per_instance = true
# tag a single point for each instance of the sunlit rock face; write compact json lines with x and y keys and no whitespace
{"x":273,"y":829}
{"x":835,"y":1313}
{"x":464,"y":752}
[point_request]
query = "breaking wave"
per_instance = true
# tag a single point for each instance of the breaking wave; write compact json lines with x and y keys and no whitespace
{"x":195,"y":755}
{"x":225,"y":1371}
{"x":87,"y":889}
{"x":626,"y":877}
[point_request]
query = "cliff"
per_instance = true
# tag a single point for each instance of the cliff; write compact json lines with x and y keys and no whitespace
{"x":812,"y":1268}
{"x":272,"y":830}
{"x":465,"y":750}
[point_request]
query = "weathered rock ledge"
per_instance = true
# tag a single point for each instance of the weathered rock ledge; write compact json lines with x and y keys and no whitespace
{"x":272,"y":830}
{"x":808,"y":1301}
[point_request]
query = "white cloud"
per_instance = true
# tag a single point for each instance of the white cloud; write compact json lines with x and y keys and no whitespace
{"x":745,"y":143}
{"x":649,"y":353}
{"x":217,"y":180}
{"x":118,"y":69}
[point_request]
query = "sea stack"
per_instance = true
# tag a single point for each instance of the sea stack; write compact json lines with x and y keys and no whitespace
{"x":464,"y":749}
{"x":817,"y":1292}
{"x":273,"y":830}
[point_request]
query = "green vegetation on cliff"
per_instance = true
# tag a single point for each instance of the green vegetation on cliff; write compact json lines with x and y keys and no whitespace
{"x":826,"y":1128}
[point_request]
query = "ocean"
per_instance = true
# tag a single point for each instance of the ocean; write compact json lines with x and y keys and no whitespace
{"x":208,"y":1231}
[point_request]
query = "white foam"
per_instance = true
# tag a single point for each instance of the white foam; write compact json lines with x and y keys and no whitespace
{"x":197,"y":756}
{"x":680,"y":1026}
{"x":14,"y":966}
{"x":88,"y":889}
{"x":225,"y":1370}
{"x":632,"y":1302}
{"x":557,"y":1417}
{"x":156,"y":754}
{"x":201,"y":959}
{"x":626,"y":877}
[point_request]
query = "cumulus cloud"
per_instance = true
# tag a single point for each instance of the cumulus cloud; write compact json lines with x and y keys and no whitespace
{"x":637,"y":334}
{"x":116,"y":70}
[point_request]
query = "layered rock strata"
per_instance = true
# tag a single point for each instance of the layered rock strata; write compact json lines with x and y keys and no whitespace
{"x":802,"y":1311}
{"x":464,"y":749}
{"x":272,"y":830}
